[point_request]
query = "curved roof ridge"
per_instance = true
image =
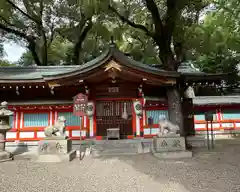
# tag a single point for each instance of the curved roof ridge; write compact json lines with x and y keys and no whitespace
{"x":138,"y":65}
{"x":86,"y":66}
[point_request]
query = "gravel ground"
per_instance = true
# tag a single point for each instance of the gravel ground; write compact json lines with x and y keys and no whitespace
{"x":206,"y":172}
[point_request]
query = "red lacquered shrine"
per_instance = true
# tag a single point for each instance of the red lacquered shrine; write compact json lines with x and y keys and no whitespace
{"x":120,"y":93}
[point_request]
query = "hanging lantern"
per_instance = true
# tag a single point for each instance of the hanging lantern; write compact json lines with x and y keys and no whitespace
{"x":138,"y":108}
{"x":90,"y":109}
{"x":140,"y":91}
{"x":189,"y":93}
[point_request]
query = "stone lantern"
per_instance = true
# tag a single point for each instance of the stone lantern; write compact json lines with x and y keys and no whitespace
{"x":4,"y":127}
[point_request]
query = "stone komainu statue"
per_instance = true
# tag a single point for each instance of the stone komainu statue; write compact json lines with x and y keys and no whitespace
{"x":58,"y":129}
{"x":167,"y":128}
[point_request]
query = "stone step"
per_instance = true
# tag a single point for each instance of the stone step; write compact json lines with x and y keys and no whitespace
{"x":109,"y":152}
{"x":173,"y":154}
{"x":119,"y":147}
{"x":116,"y":146}
{"x":109,"y":142}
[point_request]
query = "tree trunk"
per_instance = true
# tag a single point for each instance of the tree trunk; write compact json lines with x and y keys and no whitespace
{"x":44,"y":49}
{"x":32,"y":48}
{"x":81,"y":38}
{"x":76,"y":52}
{"x":188,"y":117}
{"x":175,"y":107}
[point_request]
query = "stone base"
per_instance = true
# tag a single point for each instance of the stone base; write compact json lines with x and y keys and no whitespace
{"x":55,"y":149}
{"x":56,"y":158}
{"x":5,"y":156}
{"x":169,"y":143}
{"x":54,"y":145}
{"x":173,"y":155}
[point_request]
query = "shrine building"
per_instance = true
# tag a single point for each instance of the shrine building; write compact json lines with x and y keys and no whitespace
{"x":115,"y":91}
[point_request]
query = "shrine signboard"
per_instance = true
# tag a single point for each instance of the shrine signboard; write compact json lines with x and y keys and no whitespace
{"x":80,"y":103}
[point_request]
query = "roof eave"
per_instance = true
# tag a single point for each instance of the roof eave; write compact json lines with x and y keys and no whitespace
{"x":18,"y":81}
{"x":78,"y":71}
{"x":205,"y":76}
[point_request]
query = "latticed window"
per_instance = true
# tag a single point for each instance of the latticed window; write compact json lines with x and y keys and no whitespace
{"x":231,"y":114}
{"x":71,"y":120}
{"x":201,"y":116}
{"x":35,"y":119}
{"x":156,"y":114}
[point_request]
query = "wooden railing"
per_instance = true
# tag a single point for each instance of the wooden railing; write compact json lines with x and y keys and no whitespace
{"x":230,"y":124}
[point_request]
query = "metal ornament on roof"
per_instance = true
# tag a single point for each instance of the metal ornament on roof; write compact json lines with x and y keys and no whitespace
{"x":189,"y":93}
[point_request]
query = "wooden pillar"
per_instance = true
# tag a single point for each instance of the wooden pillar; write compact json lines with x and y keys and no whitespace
{"x":175,"y":107}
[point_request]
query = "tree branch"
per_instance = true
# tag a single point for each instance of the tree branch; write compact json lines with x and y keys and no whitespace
{"x":170,"y":21}
{"x":13,"y":31}
{"x":81,"y":38}
{"x":41,"y":9}
{"x":21,"y":11}
{"x":5,"y":21}
{"x":32,"y":48}
{"x":29,"y":39}
{"x":53,"y":31}
{"x":153,"y":9}
{"x":178,"y":49}
{"x":131,"y":23}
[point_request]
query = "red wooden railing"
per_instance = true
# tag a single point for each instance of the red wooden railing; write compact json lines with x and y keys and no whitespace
{"x":220,"y":125}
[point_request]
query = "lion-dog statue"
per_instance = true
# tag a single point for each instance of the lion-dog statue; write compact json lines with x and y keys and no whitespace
{"x":167,"y":128}
{"x":58,"y":129}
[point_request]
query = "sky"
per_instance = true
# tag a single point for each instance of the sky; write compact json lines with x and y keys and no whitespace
{"x":13,"y":51}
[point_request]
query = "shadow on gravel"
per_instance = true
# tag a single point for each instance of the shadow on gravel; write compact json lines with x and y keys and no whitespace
{"x":200,"y":173}
{"x":20,"y":149}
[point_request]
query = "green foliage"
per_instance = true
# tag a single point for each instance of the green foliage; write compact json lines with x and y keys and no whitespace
{"x":214,"y":44}
{"x":57,"y":54}
{"x":5,"y":63}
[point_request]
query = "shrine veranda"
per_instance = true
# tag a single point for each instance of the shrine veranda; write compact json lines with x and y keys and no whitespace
{"x":114,"y":85}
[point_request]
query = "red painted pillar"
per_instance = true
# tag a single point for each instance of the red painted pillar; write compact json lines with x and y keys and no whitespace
{"x":141,"y":119}
{"x":133,"y":121}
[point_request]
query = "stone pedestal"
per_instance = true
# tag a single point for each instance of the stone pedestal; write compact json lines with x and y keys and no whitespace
{"x":170,"y":147}
{"x":55,"y":149}
{"x":4,"y":155}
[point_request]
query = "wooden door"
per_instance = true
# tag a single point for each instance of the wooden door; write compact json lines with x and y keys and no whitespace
{"x":109,"y":115}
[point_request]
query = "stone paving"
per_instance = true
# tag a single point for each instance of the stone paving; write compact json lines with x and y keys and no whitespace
{"x":206,"y":172}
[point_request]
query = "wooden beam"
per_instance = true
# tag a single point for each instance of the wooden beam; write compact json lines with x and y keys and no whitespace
{"x":150,"y":78}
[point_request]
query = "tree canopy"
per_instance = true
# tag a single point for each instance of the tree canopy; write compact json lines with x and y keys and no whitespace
{"x":165,"y":32}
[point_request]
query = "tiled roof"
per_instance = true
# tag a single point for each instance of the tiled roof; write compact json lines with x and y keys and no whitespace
{"x":41,"y":73}
{"x":217,"y":100}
